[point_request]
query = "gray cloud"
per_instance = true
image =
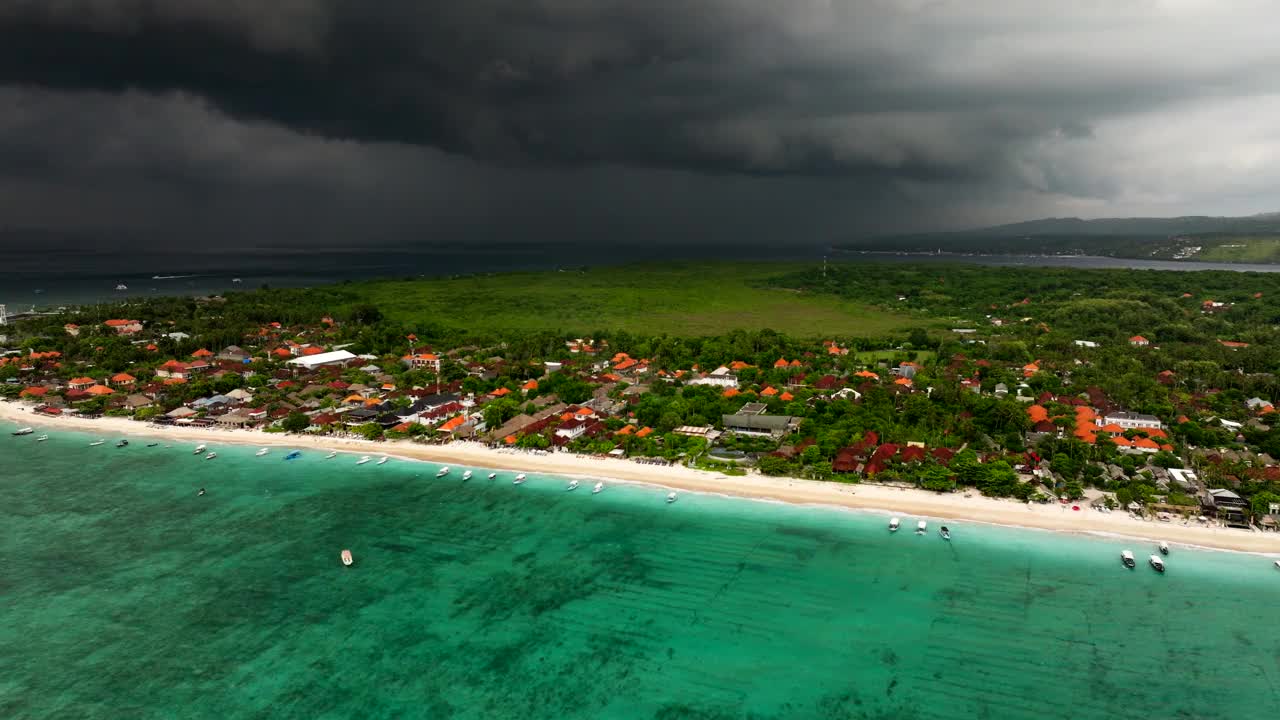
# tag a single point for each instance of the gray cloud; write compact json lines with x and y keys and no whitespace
{"x":833,"y":115}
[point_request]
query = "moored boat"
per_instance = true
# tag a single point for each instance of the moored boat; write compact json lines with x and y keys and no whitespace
{"x":573,"y":485}
{"x":466,"y":476}
{"x":442,"y":471}
{"x":96,"y":443}
{"x":262,"y":452}
{"x":346,"y":558}
{"x":945,"y":533}
{"x":382,"y":460}
{"x":23,"y":431}
{"x":332,"y":454}
{"x":211,"y":456}
{"x":1156,"y":563}
{"x":1164,"y":548}
{"x":122,"y":443}
{"x":597,"y":489}
{"x":293,"y":455}
{"x":363,"y":459}
{"x":1126,"y":557}
{"x":42,"y":438}
{"x":894,"y":524}
{"x":1276,"y":564}
{"x":152,"y":444}
{"x":671,"y":497}
{"x":519,"y":479}
{"x":921,"y":527}
{"x":493,"y":475}
{"x":199,"y":449}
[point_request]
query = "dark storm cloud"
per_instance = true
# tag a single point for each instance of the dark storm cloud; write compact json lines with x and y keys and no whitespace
{"x":704,"y":117}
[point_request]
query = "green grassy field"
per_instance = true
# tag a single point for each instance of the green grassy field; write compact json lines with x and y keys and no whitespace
{"x":1242,"y":249}
{"x":679,"y":299}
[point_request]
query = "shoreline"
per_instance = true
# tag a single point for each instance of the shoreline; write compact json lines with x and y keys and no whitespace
{"x":859,"y":497}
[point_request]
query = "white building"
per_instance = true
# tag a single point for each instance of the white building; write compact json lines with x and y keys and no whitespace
{"x":1133,"y":421}
{"x":724,"y":381}
{"x":1086,"y":343}
{"x":311,"y":362}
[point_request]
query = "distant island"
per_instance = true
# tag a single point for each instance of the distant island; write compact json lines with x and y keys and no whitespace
{"x":1250,"y":239}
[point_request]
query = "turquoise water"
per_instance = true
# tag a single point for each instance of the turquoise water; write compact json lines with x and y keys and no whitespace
{"x":126,"y":596}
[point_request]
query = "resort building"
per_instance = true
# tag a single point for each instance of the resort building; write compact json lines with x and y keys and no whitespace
{"x":311,"y":362}
{"x":1133,"y":421}
{"x":124,"y":327}
{"x":422,"y":361}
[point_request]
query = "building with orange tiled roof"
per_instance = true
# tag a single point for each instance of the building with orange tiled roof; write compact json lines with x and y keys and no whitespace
{"x":644,"y":432}
{"x":781,"y":363}
{"x":100,"y":390}
{"x":786,"y":397}
{"x":120,"y":379}
{"x":866,"y":374}
{"x":35,"y":391}
{"x":1139,"y":341}
{"x":422,"y":361}
{"x":529,"y":386}
{"x":124,"y":327}
{"x":731,"y":392}
{"x":769,"y":392}
{"x":739,"y":365}
{"x":202,"y":353}
{"x":72,"y":329}
{"x":905,"y":382}
{"x":452,"y":424}
{"x":1233,"y":344}
{"x":501,"y":392}
{"x":81,"y":383}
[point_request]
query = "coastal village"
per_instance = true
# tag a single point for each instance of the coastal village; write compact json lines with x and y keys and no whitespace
{"x":952,"y":419}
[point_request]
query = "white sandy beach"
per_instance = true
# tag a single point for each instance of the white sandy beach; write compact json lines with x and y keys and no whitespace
{"x":905,"y":502}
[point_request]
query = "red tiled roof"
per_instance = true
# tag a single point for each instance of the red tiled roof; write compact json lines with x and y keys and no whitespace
{"x":100,"y":390}
{"x":201,"y":353}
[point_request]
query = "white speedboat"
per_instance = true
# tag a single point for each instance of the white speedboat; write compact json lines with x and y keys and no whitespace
{"x":332,"y":454}
{"x":346,"y":558}
{"x":671,"y":497}
{"x":894,"y":524}
{"x":24,"y":431}
{"x":262,"y":452}
{"x":1164,"y":548}
{"x":466,"y":475}
{"x":442,"y":471}
{"x":599,"y":488}
{"x":573,"y":485}
{"x":383,"y":460}
{"x":945,"y":533}
{"x":519,"y":479}
{"x":921,"y":527}
{"x":364,"y":459}
{"x":493,"y":475}
{"x":42,"y":438}
{"x":96,"y":443}
{"x":199,"y":449}
{"x":1126,"y":557}
{"x":211,"y":456}
{"x":1156,"y":563}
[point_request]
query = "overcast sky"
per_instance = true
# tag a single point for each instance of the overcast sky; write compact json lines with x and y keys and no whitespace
{"x":359,"y":121}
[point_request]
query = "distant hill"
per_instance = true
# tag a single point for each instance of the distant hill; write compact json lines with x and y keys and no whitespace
{"x":1170,"y":238}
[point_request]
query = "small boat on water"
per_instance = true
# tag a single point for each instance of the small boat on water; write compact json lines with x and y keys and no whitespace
{"x":211,"y":456}
{"x":493,"y":475}
{"x":1277,"y":564}
{"x":346,"y":558}
{"x":122,"y":286}
{"x":293,"y":455}
{"x":599,"y":488}
{"x":96,"y":443}
{"x":945,"y":533}
{"x":23,"y":431}
{"x":152,"y":444}
{"x":921,"y":527}
{"x":199,"y":449}
{"x":332,"y":454}
{"x":122,"y":443}
{"x":1164,"y":548}
{"x":382,"y":460}
{"x":671,"y":497}
{"x":42,"y":438}
{"x":442,"y":471}
{"x":201,"y":493}
{"x":466,"y":476}
{"x":1126,"y":557}
{"x":262,"y":452}
{"x":1156,"y":563}
{"x":573,"y":485}
{"x":363,"y":459}
{"x":519,"y":479}
{"x":894,"y":524}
